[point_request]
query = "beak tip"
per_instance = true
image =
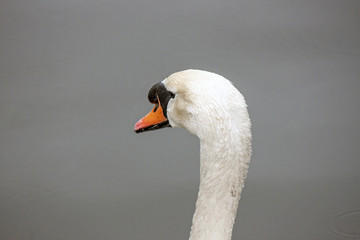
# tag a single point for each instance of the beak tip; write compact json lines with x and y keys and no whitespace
{"x":137,"y":125}
{"x":151,"y":121}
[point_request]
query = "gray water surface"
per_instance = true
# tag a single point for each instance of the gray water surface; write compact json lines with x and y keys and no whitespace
{"x":74,"y":78}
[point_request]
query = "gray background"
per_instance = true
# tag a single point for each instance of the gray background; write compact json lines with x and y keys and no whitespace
{"x":74,"y":80}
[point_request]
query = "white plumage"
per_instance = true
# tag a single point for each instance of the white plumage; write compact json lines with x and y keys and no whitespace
{"x":209,"y":106}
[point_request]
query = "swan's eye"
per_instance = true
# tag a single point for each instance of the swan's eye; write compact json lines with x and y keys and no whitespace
{"x":172,"y":94}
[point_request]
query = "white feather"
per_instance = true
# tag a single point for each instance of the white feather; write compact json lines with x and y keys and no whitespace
{"x":209,"y":106}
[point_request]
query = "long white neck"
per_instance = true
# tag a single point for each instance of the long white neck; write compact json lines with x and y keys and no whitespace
{"x":224,"y":163}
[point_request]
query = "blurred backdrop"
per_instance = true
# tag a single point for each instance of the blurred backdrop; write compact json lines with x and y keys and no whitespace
{"x":74,"y":78}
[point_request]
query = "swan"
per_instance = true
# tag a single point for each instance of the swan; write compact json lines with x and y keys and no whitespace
{"x":210,"y":107}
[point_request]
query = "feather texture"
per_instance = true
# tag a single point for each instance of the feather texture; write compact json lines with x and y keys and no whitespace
{"x":209,"y":106}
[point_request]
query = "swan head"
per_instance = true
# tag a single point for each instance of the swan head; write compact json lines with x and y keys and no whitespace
{"x":199,"y":101}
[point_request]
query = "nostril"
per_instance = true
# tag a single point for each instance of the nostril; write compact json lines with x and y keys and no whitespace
{"x":156,"y":107}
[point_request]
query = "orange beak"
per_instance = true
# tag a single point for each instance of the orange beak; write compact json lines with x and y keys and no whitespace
{"x":155,"y":119}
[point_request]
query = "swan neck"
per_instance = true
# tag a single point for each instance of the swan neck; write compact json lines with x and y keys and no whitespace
{"x":223,"y":169}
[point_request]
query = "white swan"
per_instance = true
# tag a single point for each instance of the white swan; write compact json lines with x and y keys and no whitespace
{"x":209,"y":106}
